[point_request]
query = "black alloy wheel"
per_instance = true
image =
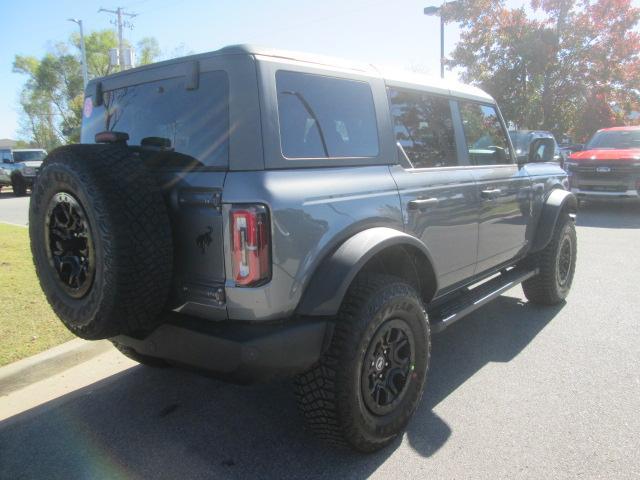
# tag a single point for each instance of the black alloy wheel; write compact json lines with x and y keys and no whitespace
{"x":389,"y":362}
{"x":565,"y":258}
{"x":69,"y":244}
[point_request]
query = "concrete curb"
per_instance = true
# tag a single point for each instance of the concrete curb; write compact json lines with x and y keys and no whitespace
{"x":38,"y":367}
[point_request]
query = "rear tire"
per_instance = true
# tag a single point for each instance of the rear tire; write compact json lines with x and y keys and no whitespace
{"x":101,"y":241}
{"x":557,"y":264}
{"x":19,"y":186}
{"x":366,"y":387}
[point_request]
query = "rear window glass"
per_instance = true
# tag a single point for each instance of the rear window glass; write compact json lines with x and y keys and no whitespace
{"x":176,"y":127}
{"x":323,"y":117}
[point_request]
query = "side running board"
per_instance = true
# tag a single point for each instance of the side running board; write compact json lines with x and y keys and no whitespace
{"x":444,"y":314}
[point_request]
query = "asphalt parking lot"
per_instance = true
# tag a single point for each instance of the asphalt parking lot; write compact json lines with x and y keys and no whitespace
{"x":13,"y":209}
{"x":514,"y":391}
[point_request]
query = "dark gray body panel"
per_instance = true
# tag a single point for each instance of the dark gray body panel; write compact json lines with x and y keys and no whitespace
{"x":449,"y":228}
{"x":313,"y":211}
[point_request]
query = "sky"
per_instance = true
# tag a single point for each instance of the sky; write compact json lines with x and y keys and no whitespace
{"x":384,"y":32}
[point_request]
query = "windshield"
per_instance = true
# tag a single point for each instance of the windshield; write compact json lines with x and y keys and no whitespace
{"x":28,"y":156}
{"x":615,"y":139}
{"x":520,"y":141}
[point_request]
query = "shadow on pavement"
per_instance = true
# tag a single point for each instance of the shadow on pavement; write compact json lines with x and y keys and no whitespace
{"x":146,"y":423}
{"x":611,"y":214}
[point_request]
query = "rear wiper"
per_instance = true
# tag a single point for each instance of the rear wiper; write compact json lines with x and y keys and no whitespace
{"x":310,"y":111}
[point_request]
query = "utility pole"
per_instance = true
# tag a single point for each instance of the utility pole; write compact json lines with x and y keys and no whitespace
{"x":120,"y":13}
{"x":85,"y":73}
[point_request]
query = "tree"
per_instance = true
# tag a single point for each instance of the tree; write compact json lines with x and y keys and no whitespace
{"x":555,"y":65}
{"x":52,"y":97}
{"x":148,"y":50}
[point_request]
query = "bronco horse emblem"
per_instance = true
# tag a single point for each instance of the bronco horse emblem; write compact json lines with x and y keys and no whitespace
{"x":204,"y":240}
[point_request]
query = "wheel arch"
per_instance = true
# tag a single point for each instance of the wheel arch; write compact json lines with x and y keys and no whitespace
{"x":557,"y":201}
{"x":379,"y":249}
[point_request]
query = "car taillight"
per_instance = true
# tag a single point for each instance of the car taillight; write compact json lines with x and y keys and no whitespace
{"x":250,"y":244}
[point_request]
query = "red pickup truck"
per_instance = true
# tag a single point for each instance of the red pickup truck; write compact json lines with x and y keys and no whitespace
{"x":609,"y":165}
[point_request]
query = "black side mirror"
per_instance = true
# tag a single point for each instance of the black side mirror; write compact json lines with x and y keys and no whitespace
{"x":541,"y":150}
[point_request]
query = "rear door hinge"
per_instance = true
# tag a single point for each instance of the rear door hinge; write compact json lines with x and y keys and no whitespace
{"x":200,"y":198}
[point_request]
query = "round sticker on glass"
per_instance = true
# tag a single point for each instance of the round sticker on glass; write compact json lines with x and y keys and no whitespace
{"x":88,"y":107}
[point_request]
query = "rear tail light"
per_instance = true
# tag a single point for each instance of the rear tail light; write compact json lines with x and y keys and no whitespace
{"x":250,"y":244}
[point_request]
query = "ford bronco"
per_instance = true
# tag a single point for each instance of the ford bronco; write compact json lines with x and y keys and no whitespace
{"x":256,"y":214}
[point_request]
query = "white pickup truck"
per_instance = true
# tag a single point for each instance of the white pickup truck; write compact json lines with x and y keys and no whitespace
{"x":19,"y":168}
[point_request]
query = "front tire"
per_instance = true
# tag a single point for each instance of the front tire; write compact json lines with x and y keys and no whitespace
{"x":366,"y":387}
{"x":557,"y":265}
{"x":19,"y":186}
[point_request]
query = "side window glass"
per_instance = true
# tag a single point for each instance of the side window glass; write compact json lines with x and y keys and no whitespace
{"x":486,"y":138}
{"x":423,"y":126}
{"x":325,"y":117}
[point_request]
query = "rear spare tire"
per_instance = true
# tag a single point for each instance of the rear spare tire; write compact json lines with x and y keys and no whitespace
{"x":101,"y":240}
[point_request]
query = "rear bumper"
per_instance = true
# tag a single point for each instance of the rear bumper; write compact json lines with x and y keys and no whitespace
{"x":236,"y":351}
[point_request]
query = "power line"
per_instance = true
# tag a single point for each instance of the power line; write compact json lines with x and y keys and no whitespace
{"x":120,"y":14}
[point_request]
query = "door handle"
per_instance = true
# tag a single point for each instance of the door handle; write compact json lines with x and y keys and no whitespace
{"x":491,"y":194}
{"x":421,"y":203}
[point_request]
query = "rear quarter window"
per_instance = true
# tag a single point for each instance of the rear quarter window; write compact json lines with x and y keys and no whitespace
{"x":176,"y":126}
{"x":325,"y":117}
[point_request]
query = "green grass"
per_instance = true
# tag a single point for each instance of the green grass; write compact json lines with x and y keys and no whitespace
{"x":27,"y":323}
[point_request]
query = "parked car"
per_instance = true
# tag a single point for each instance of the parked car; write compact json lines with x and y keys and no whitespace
{"x":568,"y":146}
{"x":287,"y":215}
{"x":19,"y":168}
{"x":522,"y":140}
{"x":609,"y":165}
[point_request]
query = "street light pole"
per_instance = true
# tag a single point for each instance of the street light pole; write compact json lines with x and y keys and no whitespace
{"x":441,"y":46}
{"x":433,"y":11}
{"x":85,"y":73}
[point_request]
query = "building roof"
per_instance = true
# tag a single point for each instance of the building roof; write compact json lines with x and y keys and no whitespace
{"x":7,"y":143}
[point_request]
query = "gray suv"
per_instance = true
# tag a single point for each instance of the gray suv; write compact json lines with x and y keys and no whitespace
{"x":256,"y":214}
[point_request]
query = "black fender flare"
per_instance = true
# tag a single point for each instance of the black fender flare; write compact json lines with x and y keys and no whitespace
{"x":558,"y":200}
{"x":329,"y":284}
